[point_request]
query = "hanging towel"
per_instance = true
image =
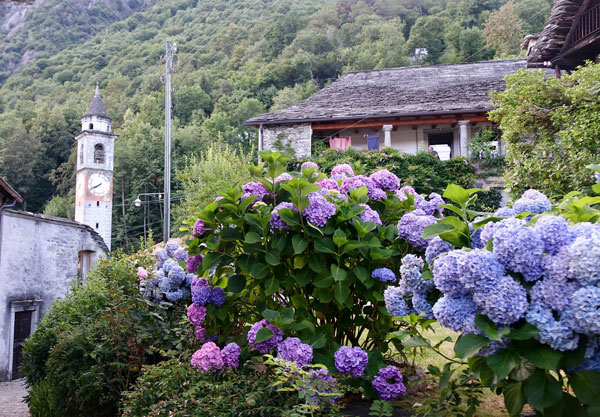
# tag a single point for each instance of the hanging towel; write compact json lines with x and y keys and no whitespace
{"x":373,"y":142}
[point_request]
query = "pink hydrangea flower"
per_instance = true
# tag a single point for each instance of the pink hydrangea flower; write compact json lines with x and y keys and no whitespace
{"x":196,"y":314}
{"x":208,"y":358}
{"x":142,"y":273}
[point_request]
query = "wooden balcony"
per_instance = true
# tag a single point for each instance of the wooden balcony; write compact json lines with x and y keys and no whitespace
{"x":583,"y":40}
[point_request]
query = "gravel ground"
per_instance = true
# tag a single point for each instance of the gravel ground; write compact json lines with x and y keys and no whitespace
{"x":11,"y":397}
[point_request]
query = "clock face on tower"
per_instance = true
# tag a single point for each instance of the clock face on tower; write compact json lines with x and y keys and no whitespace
{"x":99,"y":185}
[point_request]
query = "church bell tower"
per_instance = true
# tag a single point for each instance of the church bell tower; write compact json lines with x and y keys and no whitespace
{"x":95,"y":155}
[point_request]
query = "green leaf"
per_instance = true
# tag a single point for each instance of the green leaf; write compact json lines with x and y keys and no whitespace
{"x":435,"y":229}
{"x":323,"y":281}
{"x":542,"y":356}
{"x":338,"y":273}
{"x":514,"y":398}
{"x":271,"y":315}
{"x":287,"y":315}
{"x":523,"y":370}
{"x":586,"y":385}
{"x":303,"y":325}
{"x":231,"y":233}
{"x":415,"y":341}
{"x":469,"y":345}
{"x":460,"y":236}
{"x":236,"y":283}
{"x":527,"y":331}
{"x":271,"y":286}
{"x":289,"y":216}
{"x":318,"y":340}
{"x":300,"y":243}
{"x":263,"y":335}
{"x":252,"y":237}
{"x":542,"y":390}
{"x":361,"y":273}
{"x":503,"y":362}
{"x":259,"y":270}
{"x":458,"y":194}
{"x":272,"y":259}
{"x":299,"y":262}
{"x":325,"y":245}
{"x":339,"y":237}
{"x":342,"y":292}
{"x":303,"y":277}
{"x":299,"y":301}
{"x":210,"y":260}
{"x":359,"y":193}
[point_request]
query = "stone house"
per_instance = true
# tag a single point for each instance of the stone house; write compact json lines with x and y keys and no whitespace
{"x":40,"y":258}
{"x":408,"y":108}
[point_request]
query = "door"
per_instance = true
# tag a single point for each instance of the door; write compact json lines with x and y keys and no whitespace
{"x":442,"y":143}
{"x":22,"y":332}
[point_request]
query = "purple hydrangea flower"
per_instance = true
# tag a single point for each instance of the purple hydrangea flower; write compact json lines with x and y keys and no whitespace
{"x":388,"y":383}
{"x":520,"y":250}
{"x":369,"y":215}
{"x":436,"y":247}
{"x":585,"y":308}
{"x":386,"y":180}
{"x":276,"y":221}
{"x":556,"y":267}
{"x":171,"y":247}
{"x":200,"y":333}
{"x":383,"y":275}
{"x":161,"y":255}
{"x":319,"y":210}
{"x":321,"y":383}
{"x":457,"y":313}
{"x":328,"y":184}
{"x":432,"y":206}
{"x":192,"y":263}
{"x":490,"y":229}
{"x":412,"y":225}
{"x":447,"y":275}
{"x":354,"y":183}
{"x":342,"y":169}
{"x":504,"y":304}
{"x":394,"y":301}
{"x":554,"y":232}
{"x":198,"y":229}
{"x":584,"y":263}
{"x":198,"y":282}
{"x":231,"y":355}
{"x":405,"y":191}
{"x":532,"y":201}
{"x":421,"y":305}
{"x":201,"y":295}
{"x":217,"y":296}
{"x":175,"y":295}
{"x":293,"y":350}
{"x":309,"y":165}
{"x":479,"y":270}
{"x":553,"y":294}
{"x":505,"y":212}
{"x":351,"y":361}
{"x":283,"y":177}
{"x":196,"y":314}
{"x":208,"y":358}
{"x":180,"y":254}
{"x":267,"y":345}
{"x":255,"y":188}
{"x":377,"y":194}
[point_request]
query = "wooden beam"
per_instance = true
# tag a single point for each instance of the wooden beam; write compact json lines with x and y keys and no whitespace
{"x":419,"y":122}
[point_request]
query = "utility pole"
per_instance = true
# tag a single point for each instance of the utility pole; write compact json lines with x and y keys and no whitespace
{"x":168,"y":70}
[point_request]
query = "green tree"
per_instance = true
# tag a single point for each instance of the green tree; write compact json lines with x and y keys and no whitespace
{"x":190,"y":99}
{"x":504,"y":32}
{"x":426,"y":33}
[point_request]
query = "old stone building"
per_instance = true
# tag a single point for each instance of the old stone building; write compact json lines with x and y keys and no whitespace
{"x":408,"y":108}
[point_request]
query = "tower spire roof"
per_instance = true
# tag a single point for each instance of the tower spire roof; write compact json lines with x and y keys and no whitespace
{"x":96,"y":106}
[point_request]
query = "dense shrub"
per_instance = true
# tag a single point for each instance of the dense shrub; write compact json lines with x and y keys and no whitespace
{"x":92,"y":345}
{"x":423,"y":172}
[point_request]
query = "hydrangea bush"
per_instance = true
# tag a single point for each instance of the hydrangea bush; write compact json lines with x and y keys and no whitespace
{"x":522,"y":286}
{"x":302,"y":262}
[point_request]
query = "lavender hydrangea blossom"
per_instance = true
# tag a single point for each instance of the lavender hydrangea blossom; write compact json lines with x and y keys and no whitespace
{"x":479,"y":270}
{"x":293,"y":350}
{"x":171,"y":247}
{"x":412,"y":225}
{"x":196,"y":314}
{"x":328,"y":184}
{"x":532,"y":201}
{"x":405,"y":191}
{"x":384,"y":275}
{"x":198,"y":229}
{"x":410,"y":270}
{"x":394,"y":301}
{"x":342,"y":169}
{"x":386,"y":180}
{"x":309,"y":165}
{"x":192,"y":263}
{"x":520,"y":250}
{"x":276,"y":221}
{"x":490,"y":229}
{"x":231,"y":355}
{"x":217,"y":296}
{"x":264,"y":346}
{"x":436,"y":247}
{"x":585,"y":307}
{"x":351,"y":361}
{"x":447,"y":275}
{"x":388,"y":383}
{"x":456,"y":312}
{"x":584,"y":262}
{"x":201,"y":295}
{"x":505,"y":304}
{"x":422,"y":306}
{"x":255,"y":188}
{"x":554,"y":232}
{"x":283,"y":177}
{"x":180,"y":254}
{"x":369,"y":215}
{"x":319,"y":210}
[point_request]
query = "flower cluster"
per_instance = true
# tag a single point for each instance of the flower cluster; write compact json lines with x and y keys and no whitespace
{"x":198,"y":229}
{"x":385,"y":180}
{"x":209,"y":358}
{"x":351,"y":361}
{"x":293,"y":350}
{"x":412,"y":225}
{"x":344,"y":170}
{"x":384,"y":275}
{"x":309,"y":165}
{"x":320,"y":384}
{"x":256,"y":189}
{"x":369,"y":215}
{"x":319,"y":210}
{"x":388,"y":383}
{"x":203,"y":294}
{"x":532,"y":201}
{"x":413,"y":286}
{"x":276,"y":221}
{"x":266,"y":345}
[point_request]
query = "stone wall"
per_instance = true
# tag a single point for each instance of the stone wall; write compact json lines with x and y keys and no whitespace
{"x":285,"y":138}
{"x":38,"y":261}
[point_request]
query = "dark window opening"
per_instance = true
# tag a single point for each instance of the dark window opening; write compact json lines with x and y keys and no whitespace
{"x":85,"y":262}
{"x":81,"y":154}
{"x":22,"y":332}
{"x":442,"y":143}
{"x":96,"y":225}
{"x":91,"y":126}
{"x":99,"y":154}
{"x":97,"y":204}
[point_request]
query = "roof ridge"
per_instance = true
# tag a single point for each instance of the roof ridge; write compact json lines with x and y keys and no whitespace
{"x":437,"y":65}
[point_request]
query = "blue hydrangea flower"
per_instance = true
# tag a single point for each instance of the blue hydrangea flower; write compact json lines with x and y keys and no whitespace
{"x":171,"y":247}
{"x":532,"y":201}
{"x":446,"y":273}
{"x":201,"y":295}
{"x":520,"y":249}
{"x":476,"y":242}
{"x":385,"y":179}
{"x":436,"y":247}
{"x":554,"y":232}
{"x":586,"y":229}
{"x":369,"y":215}
{"x":165,"y":285}
{"x":169,"y":263}
{"x":384,"y":275}
{"x":505,"y":304}
{"x":557,"y":334}
{"x":556,"y":267}
{"x":276,"y":221}
{"x":217,"y":296}
{"x":410,"y":270}
{"x":553,"y":294}
{"x":457,"y":313}
{"x":412,"y":225}
{"x":175,"y":295}
{"x":585,"y":308}
{"x":394,"y":301}
{"x":490,"y":229}
{"x":479,"y":270}
{"x":584,"y":263}
{"x":492,"y":348}
{"x":177,"y":275}
{"x":505,"y":212}
{"x":351,"y":361}
{"x":180,"y":254}
{"x":319,"y":210}
{"x":422,"y":306}
{"x":161,"y":255}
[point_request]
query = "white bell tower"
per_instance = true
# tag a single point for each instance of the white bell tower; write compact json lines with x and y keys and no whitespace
{"x":95,"y":156}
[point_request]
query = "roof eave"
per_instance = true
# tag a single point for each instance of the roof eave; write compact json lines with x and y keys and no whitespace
{"x":11,"y":191}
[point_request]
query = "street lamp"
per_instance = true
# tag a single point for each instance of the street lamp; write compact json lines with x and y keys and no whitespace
{"x":138,"y":202}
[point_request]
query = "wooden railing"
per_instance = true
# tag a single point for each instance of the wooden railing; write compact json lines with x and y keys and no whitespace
{"x":588,"y":23}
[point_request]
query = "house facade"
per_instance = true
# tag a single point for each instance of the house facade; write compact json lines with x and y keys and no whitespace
{"x":408,"y":108}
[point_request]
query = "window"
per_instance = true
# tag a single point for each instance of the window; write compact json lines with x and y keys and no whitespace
{"x":97,"y":204}
{"x":91,"y":126}
{"x":98,"y":154}
{"x":81,"y":154}
{"x":84,"y":264}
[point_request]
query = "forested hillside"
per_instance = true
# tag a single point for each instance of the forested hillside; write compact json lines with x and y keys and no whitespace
{"x":234,"y":59}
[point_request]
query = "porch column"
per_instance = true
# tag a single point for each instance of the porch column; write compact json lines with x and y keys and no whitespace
{"x":387,"y":138}
{"x":463,"y":137}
